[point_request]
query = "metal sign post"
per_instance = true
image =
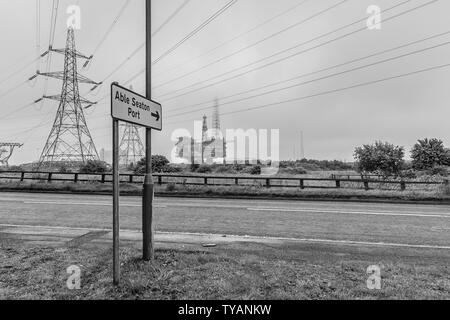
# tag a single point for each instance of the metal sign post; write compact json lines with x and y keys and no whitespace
{"x":116,"y":259}
{"x":131,"y":107}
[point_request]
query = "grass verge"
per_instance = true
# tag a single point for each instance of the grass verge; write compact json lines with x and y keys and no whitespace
{"x":236,"y":272}
{"x":440,"y":195}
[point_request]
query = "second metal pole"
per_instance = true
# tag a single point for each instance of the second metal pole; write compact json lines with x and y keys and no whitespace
{"x":147,"y":199}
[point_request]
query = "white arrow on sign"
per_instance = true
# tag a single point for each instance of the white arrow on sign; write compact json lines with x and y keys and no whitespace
{"x":129,"y":106}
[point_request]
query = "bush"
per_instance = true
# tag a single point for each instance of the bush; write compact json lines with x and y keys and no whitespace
{"x":94,"y":166}
{"x":171,"y":169}
{"x":170,"y":187}
{"x":63,"y":168}
{"x":429,"y":153}
{"x":316,"y":165}
{"x":204,"y":168}
{"x":294,"y":170}
{"x":255,"y":170}
{"x":224,"y":169}
{"x":194,"y":167}
{"x":438,"y":171}
{"x":11,"y":168}
{"x":409,"y":174}
{"x":158,"y":164}
{"x":381,"y":158}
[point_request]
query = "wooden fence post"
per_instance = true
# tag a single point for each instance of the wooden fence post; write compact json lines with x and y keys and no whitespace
{"x":206,"y":181}
{"x":302,"y":184}
{"x":338,"y":183}
{"x":267,"y":183}
{"x":75,"y":178}
{"x":22,"y":176}
{"x":366,"y":185}
{"x":160,"y":180}
{"x":130,"y":179}
{"x":103,"y":178}
{"x":402,"y":185}
{"x":49,"y":179}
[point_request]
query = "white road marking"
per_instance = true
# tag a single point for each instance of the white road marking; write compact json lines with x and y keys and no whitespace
{"x":422,"y":215}
{"x":248,"y":238}
{"x":225,"y":202}
{"x":104,"y":204}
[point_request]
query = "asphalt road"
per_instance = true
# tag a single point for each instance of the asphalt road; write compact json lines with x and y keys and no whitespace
{"x":415,"y":226}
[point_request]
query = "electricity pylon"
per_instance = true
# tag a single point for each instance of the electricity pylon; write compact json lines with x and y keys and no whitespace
{"x":131,"y":147}
{"x":6,"y":151}
{"x":69,"y":140}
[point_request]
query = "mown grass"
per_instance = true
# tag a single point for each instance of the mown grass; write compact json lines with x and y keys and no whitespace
{"x":221,"y":273}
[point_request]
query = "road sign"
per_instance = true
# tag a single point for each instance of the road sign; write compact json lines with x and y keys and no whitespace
{"x":129,"y":106}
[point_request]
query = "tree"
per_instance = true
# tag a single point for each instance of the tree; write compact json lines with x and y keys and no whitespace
{"x":158,"y":164}
{"x":382,"y":158}
{"x":429,"y":153}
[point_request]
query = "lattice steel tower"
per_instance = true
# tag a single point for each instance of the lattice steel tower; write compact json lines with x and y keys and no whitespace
{"x":131,"y":147}
{"x":216,"y":117}
{"x":69,"y":140}
{"x":6,"y":151}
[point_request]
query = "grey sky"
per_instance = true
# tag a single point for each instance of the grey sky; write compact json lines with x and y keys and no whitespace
{"x":400,"y":111}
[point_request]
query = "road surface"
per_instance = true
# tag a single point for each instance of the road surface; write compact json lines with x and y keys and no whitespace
{"x":396,"y":225}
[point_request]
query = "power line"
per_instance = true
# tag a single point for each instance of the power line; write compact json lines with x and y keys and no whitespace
{"x":19,"y":71}
{"x":135,"y":52}
{"x":142,"y":45}
{"x":54,"y":18}
{"x":38,"y":32}
{"x":290,"y":56}
{"x":331,"y":91}
{"x":303,"y":21}
{"x":11,"y":90}
{"x":108,"y":31}
{"x":4,"y":117}
{"x":317,"y":71}
{"x":290,"y":9}
{"x":325,"y":77}
{"x":125,"y":83}
{"x":173,"y":15}
{"x":195,"y":31}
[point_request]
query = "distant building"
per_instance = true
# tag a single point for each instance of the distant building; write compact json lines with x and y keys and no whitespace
{"x":106,"y":155}
{"x":211,"y":148}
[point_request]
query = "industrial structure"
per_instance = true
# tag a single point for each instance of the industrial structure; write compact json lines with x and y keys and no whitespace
{"x":6,"y":151}
{"x":211,"y":148}
{"x":69,"y":141}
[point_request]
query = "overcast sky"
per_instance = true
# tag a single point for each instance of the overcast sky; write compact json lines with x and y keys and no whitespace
{"x":399,"y":111}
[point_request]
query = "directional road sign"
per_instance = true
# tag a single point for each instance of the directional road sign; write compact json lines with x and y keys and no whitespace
{"x":129,"y":106}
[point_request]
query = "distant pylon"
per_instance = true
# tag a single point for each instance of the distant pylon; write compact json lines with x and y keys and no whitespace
{"x":69,"y":139}
{"x":216,"y":117}
{"x":6,"y":151}
{"x":131,"y":147}
{"x":302,"y":147}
